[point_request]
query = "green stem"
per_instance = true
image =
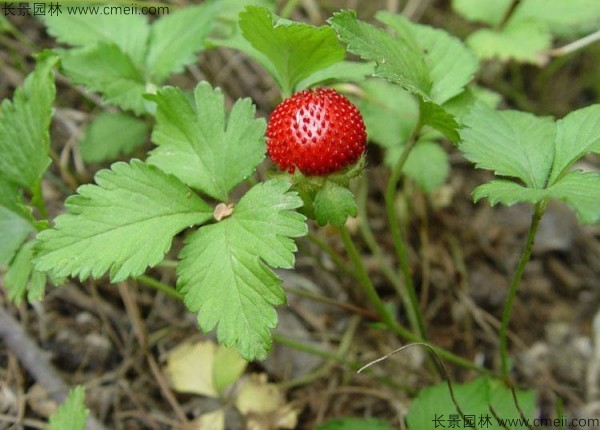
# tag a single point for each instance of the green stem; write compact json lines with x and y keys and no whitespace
{"x":514,"y":285}
{"x":289,"y":7}
{"x":159,"y":286}
{"x":37,"y":199}
{"x":412,"y":304}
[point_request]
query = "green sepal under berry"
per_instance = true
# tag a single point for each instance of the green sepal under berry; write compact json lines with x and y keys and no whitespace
{"x":327,"y":199}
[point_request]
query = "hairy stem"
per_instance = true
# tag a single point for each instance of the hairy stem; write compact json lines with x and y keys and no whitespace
{"x":410,"y":297}
{"x":514,"y":285}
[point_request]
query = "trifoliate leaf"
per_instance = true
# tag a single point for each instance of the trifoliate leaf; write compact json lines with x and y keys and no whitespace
{"x":21,"y":277}
{"x":525,"y":41}
{"x":111,"y":134}
{"x":581,"y":190}
{"x":176,"y":38}
{"x":14,"y":229}
{"x":334,"y":204}
{"x":344,"y":71}
{"x":296,"y":50}
{"x":354,"y":424}
{"x":396,"y":59}
{"x":24,"y":123}
{"x":390,"y":113}
{"x":433,"y":406}
{"x":577,"y":134}
{"x":488,"y":11}
{"x":123,"y":224}
{"x":450,"y":64}
{"x":105,"y":68}
{"x":428,"y":165}
{"x":510,"y":143}
{"x":223,"y":273}
{"x":72,"y":414}
{"x":128,"y":32}
{"x":197,"y":145}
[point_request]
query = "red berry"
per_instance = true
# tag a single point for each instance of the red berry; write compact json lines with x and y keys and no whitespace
{"x":318,"y":131}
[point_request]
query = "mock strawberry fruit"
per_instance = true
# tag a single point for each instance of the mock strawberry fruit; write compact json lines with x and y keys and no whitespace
{"x":317,"y":131}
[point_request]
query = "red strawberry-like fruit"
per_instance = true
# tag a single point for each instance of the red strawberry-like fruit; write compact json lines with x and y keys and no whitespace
{"x":317,"y":131}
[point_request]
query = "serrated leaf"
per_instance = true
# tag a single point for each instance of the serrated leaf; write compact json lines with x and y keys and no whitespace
{"x":510,"y":143}
{"x":223,"y":273}
{"x":111,"y":134}
{"x":105,"y":68}
{"x":581,"y":190}
{"x":524,"y":41}
{"x":433,"y":406}
{"x":344,"y":71}
{"x":396,"y":60}
{"x":196,"y":145}
{"x":390,"y":113}
{"x":227,"y":18}
{"x":508,"y":193}
{"x":334,"y":204}
{"x":577,"y":134}
{"x":24,"y":123}
{"x":354,"y":424}
{"x":487,"y":11}
{"x":450,"y":64}
{"x":428,"y":165}
{"x":12,"y":199}
{"x":128,"y":32}
{"x":13,"y":231}
{"x":296,"y":50}
{"x":72,"y":414}
{"x":177,"y":38}
{"x":437,"y":117}
{"x":123,"y":224}
{"x":21,"y":277}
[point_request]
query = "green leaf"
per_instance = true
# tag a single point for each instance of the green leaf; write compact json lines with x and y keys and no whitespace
{"x":450,"y":64}
{"x":111,"y":134}
{"x":563,"y":18}
{"x":390,"y":113}
{"x":177,"y":38}
{"x":196,"y":145}
{"x":344,"y":71}
{"x":508,"y":193}
{"x":223,"y":273}
{"x":296,"y":50}
{"x":227,"y":18}
{"x":577,"y":134}
{"x":524,"y":41}
{"x":108,"y":70}
{"x":397,"y":60}
{"x":24,"y":124}
{"x":72,"y":414}
{"x":13,"y":231}
{"x":487,"y":11}
{"x":437,"y":117}
{"x":433,"y":406}
{"x":460,"y":105}
{"x":510,"y":143}
{"x":11,"y":199}
{"x":21,"y":277}
{"x":428,"y":165}
{"x":354,"y":424}
{"x":334,"y":204}
{"x":129,"y":32}
{"x":581,"y":190}
{"x":122,"y":225}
